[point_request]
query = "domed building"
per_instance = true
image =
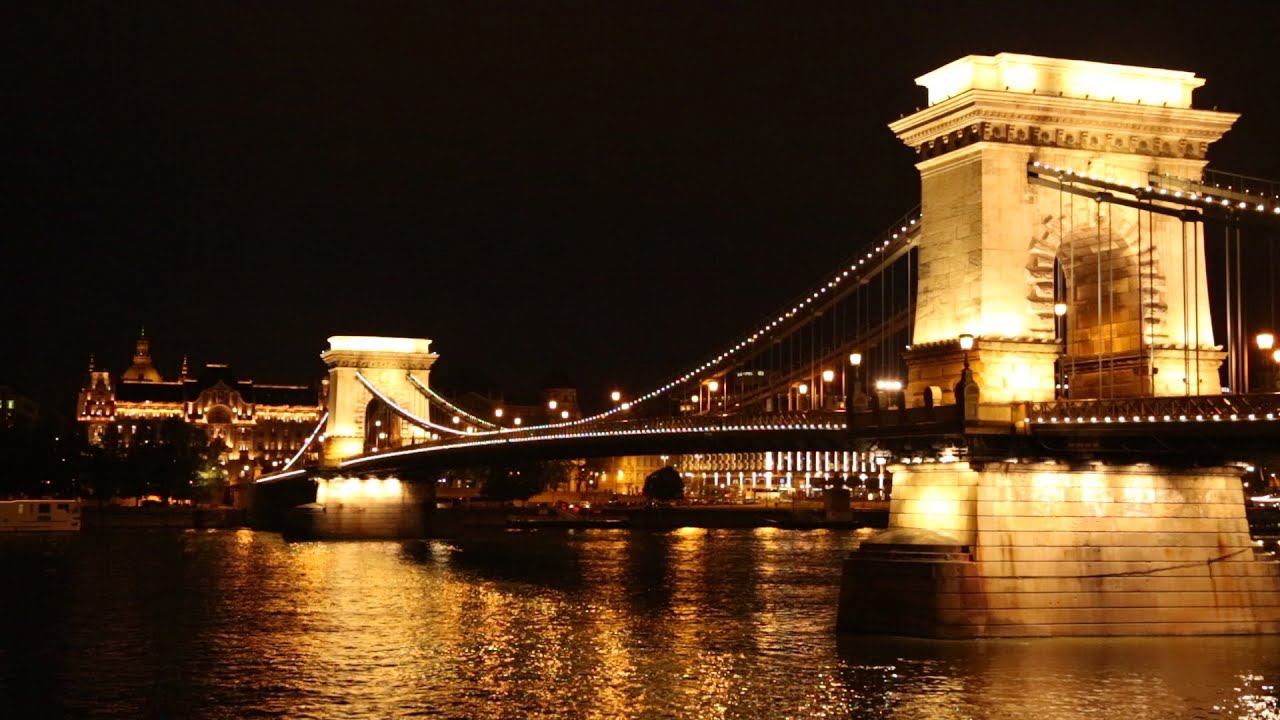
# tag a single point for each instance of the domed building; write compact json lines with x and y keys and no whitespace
{"x":253,"y":427}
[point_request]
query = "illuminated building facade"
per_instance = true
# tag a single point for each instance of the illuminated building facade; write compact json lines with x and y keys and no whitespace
{"x":782,"y":474}
{"x":252,"y":426}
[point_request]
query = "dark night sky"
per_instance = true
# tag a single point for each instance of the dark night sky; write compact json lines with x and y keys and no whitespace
{"x":549,"y":191}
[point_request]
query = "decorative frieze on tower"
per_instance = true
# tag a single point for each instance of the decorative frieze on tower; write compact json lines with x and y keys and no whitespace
{"x":997,"y":252}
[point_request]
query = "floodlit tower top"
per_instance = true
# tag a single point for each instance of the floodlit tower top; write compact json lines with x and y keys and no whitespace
{"x":1067,"y":78}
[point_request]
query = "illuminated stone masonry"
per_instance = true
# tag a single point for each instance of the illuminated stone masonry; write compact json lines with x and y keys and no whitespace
{"x":1041,"y":283}
{"x":388,"y":364}
{"x":365,"y":508}
{"x":1045,"y":549}
{"x":1132,"y":284}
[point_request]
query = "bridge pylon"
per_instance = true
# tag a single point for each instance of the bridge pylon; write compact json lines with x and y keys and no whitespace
{"x":386,"y":363}
{"x":1056,"y":537}
{"x":997,"y":252}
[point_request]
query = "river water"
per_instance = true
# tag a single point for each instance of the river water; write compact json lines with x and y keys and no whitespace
{"x":539,"y":624}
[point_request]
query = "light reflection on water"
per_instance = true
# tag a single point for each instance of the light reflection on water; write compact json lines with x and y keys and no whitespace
{"x":590,"y":624}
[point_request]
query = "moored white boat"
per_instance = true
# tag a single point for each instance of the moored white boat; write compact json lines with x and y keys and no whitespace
{"x":42,"y":515}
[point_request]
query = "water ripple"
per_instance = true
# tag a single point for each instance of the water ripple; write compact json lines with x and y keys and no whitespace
{"x":586,"y":624}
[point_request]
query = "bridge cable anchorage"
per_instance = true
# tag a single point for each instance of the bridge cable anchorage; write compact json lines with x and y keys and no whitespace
{"x":315,"y":432}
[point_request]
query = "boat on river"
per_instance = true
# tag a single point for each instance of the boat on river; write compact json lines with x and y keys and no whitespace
{"x":41,"y":515}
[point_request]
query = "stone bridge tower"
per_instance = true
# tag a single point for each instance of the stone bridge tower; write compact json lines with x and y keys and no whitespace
{"x":998,"y":252}
{"x":387,"y":363}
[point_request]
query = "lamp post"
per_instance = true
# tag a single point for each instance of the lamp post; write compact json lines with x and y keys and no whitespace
{"x":1060,"y":385}
{"x":966,"y":385}
{"x":1265,"y":341}
{"x":827,"y":377}
{"x":854,"y":392}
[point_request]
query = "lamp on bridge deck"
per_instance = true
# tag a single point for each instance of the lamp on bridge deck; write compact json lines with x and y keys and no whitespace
{"x":1060,"y":385}
{"x":856,"y":400}
{"x":1265,"y":341}
{"x":967,"y":389}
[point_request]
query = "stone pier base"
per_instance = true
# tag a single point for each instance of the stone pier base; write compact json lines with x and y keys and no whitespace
{"x":363,"y":508}
{"x":1019,"y":550}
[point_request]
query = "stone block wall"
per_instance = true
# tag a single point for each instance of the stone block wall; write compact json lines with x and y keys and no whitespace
{"x":1014,"y":549}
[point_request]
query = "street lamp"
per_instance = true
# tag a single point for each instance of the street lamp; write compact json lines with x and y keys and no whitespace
{"x":1265,"y":341}
{"x":854,"y":390}
{"x":1059,"y":371}
{"x":615,"y":396}
{"x":497,"y":412}
{"x":551,"y":404}
{"x":713,"y":387}
{"x":966,"y":344}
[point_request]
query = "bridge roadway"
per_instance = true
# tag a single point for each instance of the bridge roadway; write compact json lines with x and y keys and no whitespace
{"x":814,"y":430}
{"x":1192,"y":430}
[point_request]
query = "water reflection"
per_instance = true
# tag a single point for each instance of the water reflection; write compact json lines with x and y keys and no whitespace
{"x":598,"y":623}
{"x":1135,"y":678}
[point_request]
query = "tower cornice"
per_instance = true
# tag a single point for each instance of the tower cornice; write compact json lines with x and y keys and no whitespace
{"x":980,"y":115}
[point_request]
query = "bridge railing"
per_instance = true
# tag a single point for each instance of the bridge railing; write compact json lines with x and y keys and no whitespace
{"x":806,"y":420}
{"x":1217,"y":182}
{"x":1158,"y":409}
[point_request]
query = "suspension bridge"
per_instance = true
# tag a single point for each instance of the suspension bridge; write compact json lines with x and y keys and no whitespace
{"x":1031,"y":351}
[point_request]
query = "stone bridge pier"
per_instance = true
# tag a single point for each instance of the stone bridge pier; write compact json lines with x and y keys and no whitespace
{"x":1034,"y":545}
